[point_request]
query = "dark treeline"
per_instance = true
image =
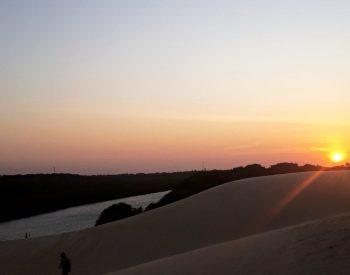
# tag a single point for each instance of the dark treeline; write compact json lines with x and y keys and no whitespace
{"x":204,"y":180}
{"x":27,"y":195}
{"x":117,"y":212}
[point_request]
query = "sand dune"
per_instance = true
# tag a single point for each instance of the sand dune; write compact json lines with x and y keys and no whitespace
{"x":319,"y":247}
{"x":221,"y":215}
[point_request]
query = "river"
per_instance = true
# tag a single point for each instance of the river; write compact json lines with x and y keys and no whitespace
{"x":69,"y":219}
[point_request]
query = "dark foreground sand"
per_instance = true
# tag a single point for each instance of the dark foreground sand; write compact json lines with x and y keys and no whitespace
{"x":319,"y":247}
{"x":286,"y":224}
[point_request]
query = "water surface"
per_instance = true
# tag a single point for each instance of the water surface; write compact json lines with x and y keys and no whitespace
{"x":66,"y":220}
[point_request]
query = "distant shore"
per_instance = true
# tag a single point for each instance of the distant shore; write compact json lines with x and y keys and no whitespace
{"x":28,"y":195}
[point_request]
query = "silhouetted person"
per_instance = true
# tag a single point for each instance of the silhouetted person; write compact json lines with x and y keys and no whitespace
{"x":65,"y":264}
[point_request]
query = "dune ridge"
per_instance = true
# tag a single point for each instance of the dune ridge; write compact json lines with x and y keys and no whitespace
{"x":318,"y":247}
{"x":221,"y":215}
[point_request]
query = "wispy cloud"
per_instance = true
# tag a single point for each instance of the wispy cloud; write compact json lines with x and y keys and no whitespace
{"x":321,"y":149}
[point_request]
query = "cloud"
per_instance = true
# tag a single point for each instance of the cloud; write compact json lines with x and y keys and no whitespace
{"x":321,"y":149}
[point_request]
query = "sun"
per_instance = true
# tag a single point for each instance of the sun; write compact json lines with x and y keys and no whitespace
{"x":338,"y":157}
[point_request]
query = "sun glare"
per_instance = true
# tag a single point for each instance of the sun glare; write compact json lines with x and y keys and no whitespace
{"x":338,"y":156}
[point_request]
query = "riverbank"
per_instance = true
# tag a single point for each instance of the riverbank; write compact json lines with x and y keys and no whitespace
{"x":28,"y":195}
{"x":67,"y":220}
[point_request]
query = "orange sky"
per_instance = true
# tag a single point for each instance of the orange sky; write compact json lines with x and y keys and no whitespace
{"x":112,"y":87}
{"x":101,"y":143}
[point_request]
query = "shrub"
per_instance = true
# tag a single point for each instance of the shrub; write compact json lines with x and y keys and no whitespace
{"x":117,"y":212}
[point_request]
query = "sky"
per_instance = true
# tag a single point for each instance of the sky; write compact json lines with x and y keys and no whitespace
{"x":106,"y":87}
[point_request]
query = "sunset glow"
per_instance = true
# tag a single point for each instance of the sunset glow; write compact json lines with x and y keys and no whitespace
{"x":118,"y":87}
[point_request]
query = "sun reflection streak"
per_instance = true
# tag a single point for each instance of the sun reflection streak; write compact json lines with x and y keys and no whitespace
{"x":273,"y":212}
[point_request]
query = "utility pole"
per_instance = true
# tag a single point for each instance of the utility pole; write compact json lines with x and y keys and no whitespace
{"x":203,"y":166}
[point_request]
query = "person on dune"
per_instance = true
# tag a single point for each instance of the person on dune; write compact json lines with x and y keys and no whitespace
{"x":65,"y":264}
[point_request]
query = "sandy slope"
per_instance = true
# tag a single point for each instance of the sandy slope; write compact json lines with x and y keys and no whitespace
{"x":228,"y":212}
{"x":319,"y":247}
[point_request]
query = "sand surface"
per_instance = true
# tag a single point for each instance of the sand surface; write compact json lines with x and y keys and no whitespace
{"x":319,"y":247}
{"x":242,"y":227}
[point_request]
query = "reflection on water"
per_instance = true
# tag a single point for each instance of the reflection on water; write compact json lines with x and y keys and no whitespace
{"x":70,"y":219}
